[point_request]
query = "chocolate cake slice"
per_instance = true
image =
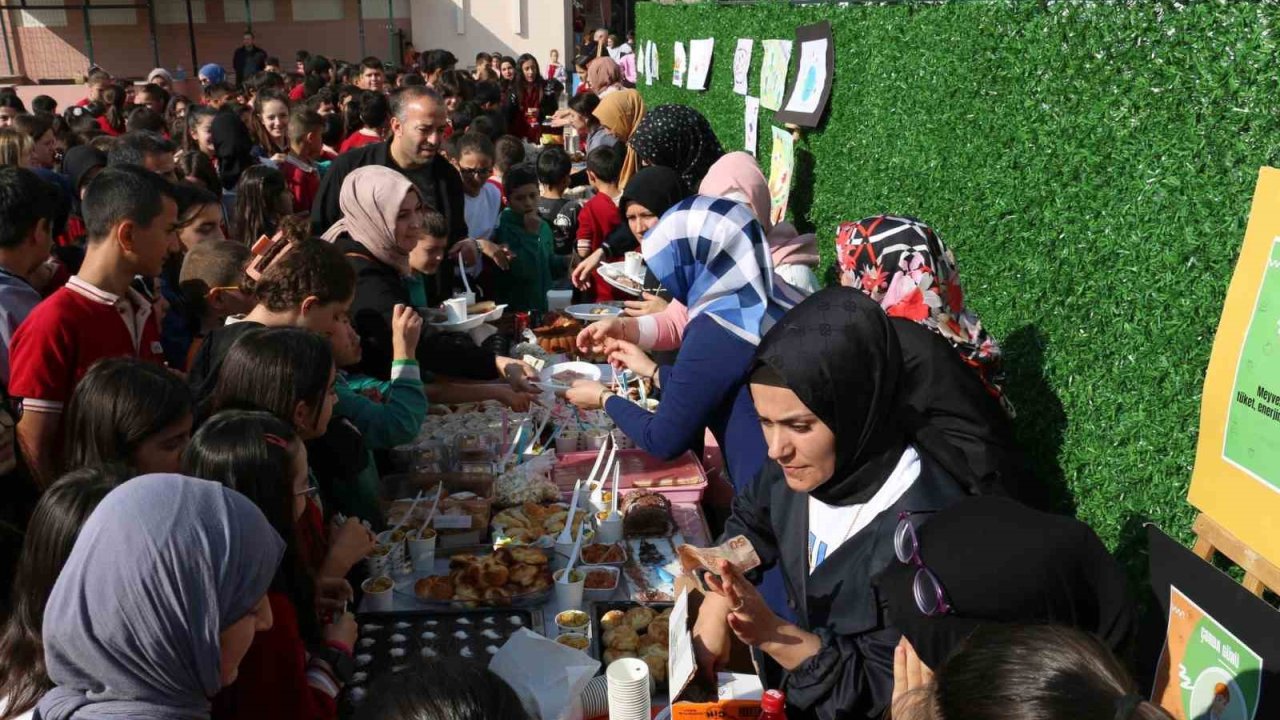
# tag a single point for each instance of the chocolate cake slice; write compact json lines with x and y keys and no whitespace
{"x":647,"y":514}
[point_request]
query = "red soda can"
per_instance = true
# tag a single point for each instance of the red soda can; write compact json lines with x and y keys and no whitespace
{"x":522,"y":322}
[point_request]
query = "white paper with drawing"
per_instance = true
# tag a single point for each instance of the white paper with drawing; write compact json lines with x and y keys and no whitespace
{"x":773,"y":73}
{"x":681,"y":64}
{"x":811,"y":77}
{"x":751,"y":124}
{"x":699,"y":62}
{"x":742,"y":64}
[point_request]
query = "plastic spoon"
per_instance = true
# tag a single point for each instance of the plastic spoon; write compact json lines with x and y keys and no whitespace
{"x":462,"y":270}
{"x":566,"y":535}
{"x":604,"y":446}
{"x":573,"y":556}
{"x":408,"y":514}
{"x":435,"y":504}
{"x":613,"y":509}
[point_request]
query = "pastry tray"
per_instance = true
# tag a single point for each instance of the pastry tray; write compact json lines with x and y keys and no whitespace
{"x":374,"y":646}
{"x":598,"y":610}
{"x":640,"y":471}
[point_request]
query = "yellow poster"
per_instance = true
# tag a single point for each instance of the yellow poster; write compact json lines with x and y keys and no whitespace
{"x":1236,"y":480}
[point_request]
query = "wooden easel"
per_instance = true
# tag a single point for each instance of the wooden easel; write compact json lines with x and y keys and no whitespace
{"x":1260,"y":575}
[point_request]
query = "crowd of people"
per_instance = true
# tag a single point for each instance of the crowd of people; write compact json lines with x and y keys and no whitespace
{"x":209,"y":337}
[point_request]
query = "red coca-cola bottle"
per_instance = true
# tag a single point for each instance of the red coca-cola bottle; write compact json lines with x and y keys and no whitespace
{"x":773,"y":706}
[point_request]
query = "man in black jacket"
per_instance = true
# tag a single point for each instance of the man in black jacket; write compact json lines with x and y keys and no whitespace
{"x":248,"y":60}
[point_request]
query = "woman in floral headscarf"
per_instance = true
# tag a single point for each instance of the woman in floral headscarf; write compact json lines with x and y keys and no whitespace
{"x":903,"y":265}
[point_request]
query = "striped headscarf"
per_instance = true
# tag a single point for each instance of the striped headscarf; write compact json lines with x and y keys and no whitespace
{"x":711,"y":254}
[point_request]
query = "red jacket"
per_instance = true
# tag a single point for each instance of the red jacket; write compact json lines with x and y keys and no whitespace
{"x":599,"y":217}
{"x":272,"y":684}
{"x":357,"y":139}
{"x":303,"y":182}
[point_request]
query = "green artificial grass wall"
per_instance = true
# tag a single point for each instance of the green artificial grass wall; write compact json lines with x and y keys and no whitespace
{"x":1091,"y":165}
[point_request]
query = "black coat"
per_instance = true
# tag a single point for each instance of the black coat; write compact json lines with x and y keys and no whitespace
{"x":378,"y":290}
{"x":851,"y":677}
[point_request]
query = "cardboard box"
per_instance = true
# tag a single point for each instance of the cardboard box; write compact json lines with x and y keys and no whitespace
{"x":737,"y":693}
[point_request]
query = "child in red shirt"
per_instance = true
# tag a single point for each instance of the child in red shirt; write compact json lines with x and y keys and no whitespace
{"x":97,"y":314}
{"x":600,"y":216}
{"x":306,"y":146}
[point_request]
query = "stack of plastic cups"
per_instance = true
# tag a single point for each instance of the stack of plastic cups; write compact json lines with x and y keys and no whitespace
{"x":628,"y":690}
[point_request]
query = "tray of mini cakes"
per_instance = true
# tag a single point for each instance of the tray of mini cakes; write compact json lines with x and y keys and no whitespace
{"x":630,"y":630}
{"x":397,"y":643}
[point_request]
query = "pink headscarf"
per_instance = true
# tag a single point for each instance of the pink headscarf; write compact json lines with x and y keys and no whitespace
{"x":604,"y":73}
{"x":737,"y":175}
{"x":370,"y":200}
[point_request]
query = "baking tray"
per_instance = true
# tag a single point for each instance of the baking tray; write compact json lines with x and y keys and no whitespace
{"x":404,"y":587}
{"x":597,"y":611}
{"x":374,"y":645}
{"x":640,"y":471}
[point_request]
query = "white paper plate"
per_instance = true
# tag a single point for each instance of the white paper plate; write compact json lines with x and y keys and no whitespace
{"x":471,"y":323}
{"x":612,"y":272}
{"x":587,"y":370}
{"x":590,"y":312}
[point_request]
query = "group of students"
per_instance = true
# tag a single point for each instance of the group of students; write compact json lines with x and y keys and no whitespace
{"x":208,"y":374}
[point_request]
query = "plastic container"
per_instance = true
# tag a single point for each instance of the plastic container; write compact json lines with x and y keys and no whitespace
{"x":773,"y":706}
{"x":640,"y":470}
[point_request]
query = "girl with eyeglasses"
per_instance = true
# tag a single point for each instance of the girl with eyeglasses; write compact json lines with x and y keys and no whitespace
{"x":296,"y":668}
{"x":844,"y":460}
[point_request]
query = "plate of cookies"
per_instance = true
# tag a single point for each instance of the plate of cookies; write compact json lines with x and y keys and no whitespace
{"x":509,"y":577}
{"x":628,"y":630}
{"x":534,"y":524}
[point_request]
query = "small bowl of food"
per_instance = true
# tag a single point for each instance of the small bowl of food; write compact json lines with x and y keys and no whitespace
{"x":601,"y":582}
{"x":603,"y":554}
{"x":573,"y":640}
{"x":573,"y":622}
{"x":377,"y":593}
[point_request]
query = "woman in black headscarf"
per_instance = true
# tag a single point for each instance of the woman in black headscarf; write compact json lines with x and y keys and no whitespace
{"x":678,"y":137}
{"x":1050,"y":569}
{"x":827,"y":387}
{"x":649,"y":194}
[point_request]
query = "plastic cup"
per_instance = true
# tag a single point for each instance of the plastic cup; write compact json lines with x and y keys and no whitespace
{"x":567,"y":442}
{"x":564,"y":622}
{"x":559,"y":299}
{"x":456,"y":309}
{"x":610,"y":531}
{"x":633,"y":264}
{"x":378,"y":562}
{"x":470,"y":297}
{"x":628,"y":680}
{"x":397,"y":546}
{"x":422,"y":549}
{"x":594,"y":439}
{"x":378,"y":600}
{"x":569,"y":594}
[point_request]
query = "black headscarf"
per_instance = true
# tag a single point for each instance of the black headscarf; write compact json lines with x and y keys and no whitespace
{"x":656,"y":188}
{"x":233,"y":147}
{"x":678,"y":137}
{"x":838,"y":353}
{"x":76,"y":165}
{"x":1001,"y":562}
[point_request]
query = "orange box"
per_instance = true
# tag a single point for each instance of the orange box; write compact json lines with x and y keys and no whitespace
{"x":737,"y":692}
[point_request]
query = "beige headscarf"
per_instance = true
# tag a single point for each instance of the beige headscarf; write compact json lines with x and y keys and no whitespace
{"x":370,"y":200}
{"x":603,"y":73}
{"x":621,"y":112}
{"x":738,"y":176}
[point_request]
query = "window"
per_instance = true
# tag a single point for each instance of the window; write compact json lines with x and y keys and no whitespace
{"x":263,"y":11}
{"x":43,"y":18}
{"x":317,"y":9}
{"x":174,"y":12}
{"x":114,"y":16}
{"x":377,"y":9}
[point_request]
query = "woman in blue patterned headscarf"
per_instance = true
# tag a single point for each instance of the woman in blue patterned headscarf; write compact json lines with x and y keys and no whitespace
{"x":712,"y":255}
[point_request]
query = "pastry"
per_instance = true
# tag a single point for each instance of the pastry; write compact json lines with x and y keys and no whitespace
{"x":528,"y":556}
{"x":657,"y":666}
{"x":640,"y":617}
{"x":659,"y":628}
{"x":621,"y":638}
{"x":651,"y":641}
{"x":647,"y":514}
{"x":493,"y":574}
{"x":611,"y":655}
{"x":434,"y":588}
{"x":613,"y":619}
{"x":524,"y":575}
